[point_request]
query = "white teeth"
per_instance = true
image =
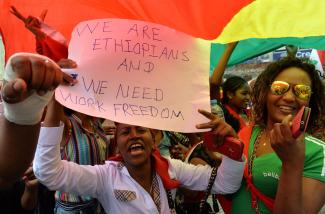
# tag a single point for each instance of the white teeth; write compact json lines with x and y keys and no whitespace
{"x":286,"y":108}
{"x":136,"y":146}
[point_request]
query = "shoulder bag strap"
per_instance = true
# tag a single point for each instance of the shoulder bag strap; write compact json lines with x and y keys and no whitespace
{"x":208,"y":190}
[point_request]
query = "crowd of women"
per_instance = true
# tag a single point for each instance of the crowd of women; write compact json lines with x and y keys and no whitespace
{"x":140,"y":170}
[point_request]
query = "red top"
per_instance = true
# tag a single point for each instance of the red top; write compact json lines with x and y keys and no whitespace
{"x":242,"y":122}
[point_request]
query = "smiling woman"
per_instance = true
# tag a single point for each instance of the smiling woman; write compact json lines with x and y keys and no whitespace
{"x":284,"y":174}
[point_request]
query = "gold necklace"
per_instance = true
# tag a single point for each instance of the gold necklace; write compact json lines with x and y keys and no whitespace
{"x":253,"y":155}
{"x":263,"y":138}
{"x":250,"y":165}
{"x":264,"y":143}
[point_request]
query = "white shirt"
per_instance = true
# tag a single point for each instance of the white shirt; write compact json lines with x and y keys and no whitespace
{"x":104,"y":181}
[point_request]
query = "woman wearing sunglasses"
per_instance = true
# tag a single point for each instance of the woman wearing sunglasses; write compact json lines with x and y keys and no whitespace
{"x":283,"y":174}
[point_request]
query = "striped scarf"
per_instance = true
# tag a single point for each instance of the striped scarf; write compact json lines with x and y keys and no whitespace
{"x":84,"y":148}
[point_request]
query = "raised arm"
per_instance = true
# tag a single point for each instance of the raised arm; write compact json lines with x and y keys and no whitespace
{"x":32,"y":23}
{"x":49,"y":42}
{"x":59,"y":174}
{"x":17,"y":146}
{"x":230,"y":172}
{"x":48,"y":167}
{"x":29,"y":81}
{"x":216,"y":77}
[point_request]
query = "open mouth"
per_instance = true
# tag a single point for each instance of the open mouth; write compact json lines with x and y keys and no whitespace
{"x":136,"y":148}
{"x":287,"y":109}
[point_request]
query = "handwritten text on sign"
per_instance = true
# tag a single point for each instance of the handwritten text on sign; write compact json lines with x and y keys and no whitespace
{"x":138,"y":73}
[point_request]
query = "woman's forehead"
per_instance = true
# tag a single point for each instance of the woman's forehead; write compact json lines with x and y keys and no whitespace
{"x":244,"y":87}
{"x":294,"y":75}
{"x":125,"y":125}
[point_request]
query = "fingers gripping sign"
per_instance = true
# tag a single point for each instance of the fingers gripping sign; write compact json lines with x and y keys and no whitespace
{"x":29,"y":80}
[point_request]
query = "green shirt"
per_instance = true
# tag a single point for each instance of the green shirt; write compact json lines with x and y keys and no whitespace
{"x":267,"y":170}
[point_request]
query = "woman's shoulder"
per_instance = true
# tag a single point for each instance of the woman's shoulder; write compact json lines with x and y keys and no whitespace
{"x":314,"y":145}
{"x":314,"y":142}
{"x":314,"y":158}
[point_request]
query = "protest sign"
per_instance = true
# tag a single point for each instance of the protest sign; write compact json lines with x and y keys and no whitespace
{"x":138,"y":73}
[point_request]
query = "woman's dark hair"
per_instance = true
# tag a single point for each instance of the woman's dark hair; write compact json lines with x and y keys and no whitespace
{"x":232,"y":84}
{"x":264,"y":80}
{"x":68,"y":112}
{"x":231,"y":120}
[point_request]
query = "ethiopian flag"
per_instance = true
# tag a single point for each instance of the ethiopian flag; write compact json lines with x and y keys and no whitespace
{"x":265,"y":25}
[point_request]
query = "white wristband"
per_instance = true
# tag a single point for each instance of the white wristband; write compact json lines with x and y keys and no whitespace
{"x":30,"y":110}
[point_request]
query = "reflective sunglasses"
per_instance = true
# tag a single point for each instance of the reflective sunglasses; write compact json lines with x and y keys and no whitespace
{"x":300,"y":90}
